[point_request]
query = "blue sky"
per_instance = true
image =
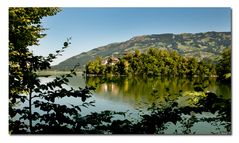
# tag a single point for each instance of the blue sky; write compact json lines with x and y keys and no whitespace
{"x":94,"y":27}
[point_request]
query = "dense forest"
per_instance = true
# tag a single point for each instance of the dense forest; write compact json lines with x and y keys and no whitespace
{"x":156,"y":62}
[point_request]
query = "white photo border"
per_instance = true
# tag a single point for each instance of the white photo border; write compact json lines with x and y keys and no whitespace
{"x":4,"y":135}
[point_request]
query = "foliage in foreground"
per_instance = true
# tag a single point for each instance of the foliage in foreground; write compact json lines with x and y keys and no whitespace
{"x":26,"y":92}
{"x":34,"y":107}
{"x":155,"y":121}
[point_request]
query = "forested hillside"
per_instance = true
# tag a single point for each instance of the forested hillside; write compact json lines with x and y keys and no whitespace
{"x":203,"y":46}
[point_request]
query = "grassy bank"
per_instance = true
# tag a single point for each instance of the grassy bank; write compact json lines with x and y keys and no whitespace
{"x":46,"y":73}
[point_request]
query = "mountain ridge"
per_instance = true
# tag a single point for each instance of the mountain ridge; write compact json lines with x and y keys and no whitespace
{"x":203,"y":45}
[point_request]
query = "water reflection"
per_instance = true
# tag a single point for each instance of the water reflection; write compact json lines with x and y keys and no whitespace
{"x":142,"y":92}
{"x":178,"y":106}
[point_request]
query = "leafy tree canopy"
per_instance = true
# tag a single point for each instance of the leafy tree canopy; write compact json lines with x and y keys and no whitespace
{"x":25,"y":88}
{"x":25,"y":30}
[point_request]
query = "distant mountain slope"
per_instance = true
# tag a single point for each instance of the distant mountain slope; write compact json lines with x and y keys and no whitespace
{"x":199,"y":45}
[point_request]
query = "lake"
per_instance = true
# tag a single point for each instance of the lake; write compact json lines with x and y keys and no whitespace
{"x":135,"y":95}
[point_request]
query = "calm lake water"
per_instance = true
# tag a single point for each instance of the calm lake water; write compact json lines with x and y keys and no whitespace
{"x":131,"y":94}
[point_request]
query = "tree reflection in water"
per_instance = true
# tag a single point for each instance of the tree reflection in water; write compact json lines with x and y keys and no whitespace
{"x":158,"y":119}
{"x":184,"y":103}
{"x":138,"y":91}
{"x":185,"y":108}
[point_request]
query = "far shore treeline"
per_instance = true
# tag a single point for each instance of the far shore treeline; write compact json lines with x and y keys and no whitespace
{"x":156,"y":62}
